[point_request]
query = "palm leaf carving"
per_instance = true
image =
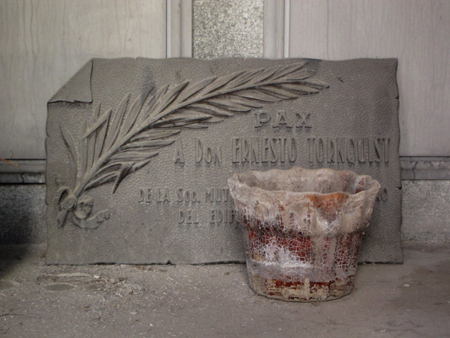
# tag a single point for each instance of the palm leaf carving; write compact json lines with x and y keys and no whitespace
{"x":119,"y":143}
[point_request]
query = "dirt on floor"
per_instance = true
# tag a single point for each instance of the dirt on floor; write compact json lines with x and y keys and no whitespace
{"x":36,"y":300}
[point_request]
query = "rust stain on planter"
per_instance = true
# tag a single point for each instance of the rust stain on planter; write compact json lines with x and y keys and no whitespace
{"x":303,"y":230}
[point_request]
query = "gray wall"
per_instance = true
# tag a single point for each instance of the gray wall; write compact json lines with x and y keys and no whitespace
{"x":44,"y":42}
{"x":414,"y":31}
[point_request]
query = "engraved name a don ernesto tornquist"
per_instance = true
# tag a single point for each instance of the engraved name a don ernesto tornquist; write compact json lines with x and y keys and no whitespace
{"x":118,"y":143}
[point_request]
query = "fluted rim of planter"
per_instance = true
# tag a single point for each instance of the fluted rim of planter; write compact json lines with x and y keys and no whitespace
{"x":313,"y":202}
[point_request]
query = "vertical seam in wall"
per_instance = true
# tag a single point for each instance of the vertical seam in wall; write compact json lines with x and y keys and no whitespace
{"x":168,"y":28}
{"x":180,"y":29}
{"x":187,"y":28}
{"x":192,"y":29}
{"x":274,"y":29}
{"x":328,"y":28}
{"x":287,"y":31}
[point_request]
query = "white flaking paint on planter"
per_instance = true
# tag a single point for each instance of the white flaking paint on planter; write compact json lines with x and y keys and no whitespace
{"x":303,"y":229}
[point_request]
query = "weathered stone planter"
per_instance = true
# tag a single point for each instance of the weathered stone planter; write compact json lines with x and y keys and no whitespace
{"x":303,"y":229}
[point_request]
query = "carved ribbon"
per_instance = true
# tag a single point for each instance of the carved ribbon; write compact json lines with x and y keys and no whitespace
{"x":81,"y":209}
{"x":66,"y":204}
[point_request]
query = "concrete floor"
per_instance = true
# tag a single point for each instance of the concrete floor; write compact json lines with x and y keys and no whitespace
{"x":408,"y":300}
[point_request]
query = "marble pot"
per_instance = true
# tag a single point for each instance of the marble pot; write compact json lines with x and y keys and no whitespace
{"x":303,"y":230}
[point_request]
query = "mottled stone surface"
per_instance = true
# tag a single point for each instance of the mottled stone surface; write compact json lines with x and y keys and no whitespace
{"x":425,"y":210}
{"x":225,"y":28}
{"x":22,"y":214}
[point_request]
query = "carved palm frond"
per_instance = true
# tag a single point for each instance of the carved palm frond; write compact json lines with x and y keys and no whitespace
{"x":120,"y":143}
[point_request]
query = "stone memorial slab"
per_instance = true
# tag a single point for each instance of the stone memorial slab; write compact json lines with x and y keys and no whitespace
{"x":139,"y":151}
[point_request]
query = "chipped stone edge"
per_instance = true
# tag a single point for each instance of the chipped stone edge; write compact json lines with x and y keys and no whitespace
{"x":425,"y":168}
{"x":28,"y":172}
